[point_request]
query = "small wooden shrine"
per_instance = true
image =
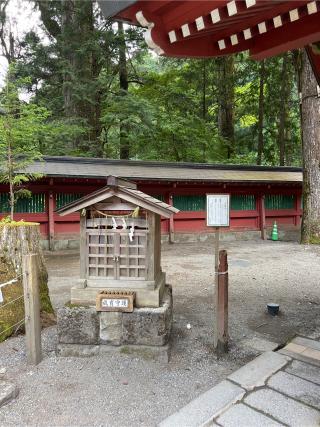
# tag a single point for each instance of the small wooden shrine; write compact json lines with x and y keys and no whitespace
{"x":120,"y":243}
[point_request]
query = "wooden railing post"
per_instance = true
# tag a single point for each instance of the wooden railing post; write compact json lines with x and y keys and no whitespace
{"x":221,"y":335}
{"x":30,"y":270}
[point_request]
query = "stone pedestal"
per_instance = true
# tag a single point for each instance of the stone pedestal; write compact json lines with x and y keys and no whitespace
{"x":82,"y":331}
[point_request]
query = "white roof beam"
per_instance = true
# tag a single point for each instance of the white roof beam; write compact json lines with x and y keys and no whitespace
{"x":277,"y":21}
{"x":312,"y":8}
{"x":294,"y":15}
{"x":185,"y":30}
{"x":232,"y":8}
{"x":250,"y":3}
{"x":247,"y":34}
{"x":234,"y":39}
{"x":172,"y":36}
{"x":215,"y":16}
{"x":262,"y":27}
{"x":221,"y":44}
{"x":200,"y":23}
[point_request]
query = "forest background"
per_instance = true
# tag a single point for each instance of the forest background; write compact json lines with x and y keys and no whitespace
{"x":106,"y":95}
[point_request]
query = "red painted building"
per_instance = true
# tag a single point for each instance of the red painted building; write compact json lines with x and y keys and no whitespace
{"x":259,"y":195}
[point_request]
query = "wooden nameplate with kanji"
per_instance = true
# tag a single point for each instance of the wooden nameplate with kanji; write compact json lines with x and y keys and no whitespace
{"x":115,"y":301}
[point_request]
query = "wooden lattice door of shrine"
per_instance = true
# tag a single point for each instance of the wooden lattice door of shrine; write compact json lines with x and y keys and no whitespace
{"x":111,"y":254}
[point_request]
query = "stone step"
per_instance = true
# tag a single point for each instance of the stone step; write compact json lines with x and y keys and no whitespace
{"x":301,"y":352}
{"x":305,"y":371}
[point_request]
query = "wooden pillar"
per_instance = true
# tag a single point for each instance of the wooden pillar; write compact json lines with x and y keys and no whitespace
{"x":151,"y":236}
{"x":171,"y":221}
{"x":262,"y":216}
{"x":51,"y":207}
{"x":83,"y":248}
{"x":30,"y":270}
{"x":297,"y":209}
{"x":221,"y":328}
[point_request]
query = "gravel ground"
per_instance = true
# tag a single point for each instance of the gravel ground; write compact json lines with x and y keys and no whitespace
{"x":119,"y":390}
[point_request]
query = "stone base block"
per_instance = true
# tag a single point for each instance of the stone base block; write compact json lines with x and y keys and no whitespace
{"x":144,"y":297}
{"x":84,"y":331}
{"x":77,"y":350}
{"x":146,"y":352}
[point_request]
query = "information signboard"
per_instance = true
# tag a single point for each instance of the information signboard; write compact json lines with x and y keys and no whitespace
{"x":218,"y":210}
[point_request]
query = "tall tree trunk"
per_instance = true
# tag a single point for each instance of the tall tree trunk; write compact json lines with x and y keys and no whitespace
{"x":262,"y":75}
{"x":284,"y":94}
{"x":204,"y":103}
{"x":67,"y":28}
{"x":226,"y":102}
{"x":124,"y":85}
{"x":87,"y":71}
{"x":310,"y":117}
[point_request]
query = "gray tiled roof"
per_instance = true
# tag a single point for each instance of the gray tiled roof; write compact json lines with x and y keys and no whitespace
{"x":140,"y":170}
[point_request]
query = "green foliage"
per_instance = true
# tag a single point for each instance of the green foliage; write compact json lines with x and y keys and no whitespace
{"x":172,"y":108}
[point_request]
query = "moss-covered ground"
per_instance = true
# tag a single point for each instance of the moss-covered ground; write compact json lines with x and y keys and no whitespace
{"x":12,"y":313}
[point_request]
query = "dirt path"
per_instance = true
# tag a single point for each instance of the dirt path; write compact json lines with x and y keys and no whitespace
{"x":122,"y":391}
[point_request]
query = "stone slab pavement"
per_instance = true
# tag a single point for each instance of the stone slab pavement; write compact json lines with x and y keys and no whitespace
{"x":276,"y":388}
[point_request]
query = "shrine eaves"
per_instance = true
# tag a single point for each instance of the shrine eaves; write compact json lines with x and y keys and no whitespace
{"x":218,"y":27}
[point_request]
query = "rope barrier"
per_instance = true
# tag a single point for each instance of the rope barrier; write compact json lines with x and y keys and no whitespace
{"x":133,"y":214}
{"x":11,"y":281}
{"x":10,"y":302}
{"x":10,"y":327}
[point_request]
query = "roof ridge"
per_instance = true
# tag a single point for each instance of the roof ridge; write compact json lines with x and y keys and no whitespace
{"x":178,"y":165}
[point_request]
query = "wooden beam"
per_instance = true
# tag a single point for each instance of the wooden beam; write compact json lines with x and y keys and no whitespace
{"x":291,"y":36}
{"x":218,"y":24}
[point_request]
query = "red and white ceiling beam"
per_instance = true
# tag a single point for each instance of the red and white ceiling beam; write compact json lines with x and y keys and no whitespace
{"x":251,"y":20}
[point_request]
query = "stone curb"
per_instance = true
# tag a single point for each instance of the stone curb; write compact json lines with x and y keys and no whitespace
{"x":202,"y":410}
{"x":255,"y":373}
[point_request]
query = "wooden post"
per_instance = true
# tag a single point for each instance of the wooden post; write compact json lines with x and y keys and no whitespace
{"x":32,"y":307}
{"x":83,"y":248}
{"x":262,"y":221}
{"x":171,"y":221}
{"x":216,"y":268}
{"x":221,"y":335}
{"x":51,"y":220}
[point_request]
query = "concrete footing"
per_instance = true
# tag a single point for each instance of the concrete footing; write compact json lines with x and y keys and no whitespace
{"x":146,"y":352}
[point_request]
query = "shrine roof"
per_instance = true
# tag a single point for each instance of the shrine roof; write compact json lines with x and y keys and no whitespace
{"x":218,"y":27}
{"x":124,"y":192}
{"x":81,"y":167}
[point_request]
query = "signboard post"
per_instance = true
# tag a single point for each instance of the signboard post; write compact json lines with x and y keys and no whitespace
{"x":218,"y":215}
